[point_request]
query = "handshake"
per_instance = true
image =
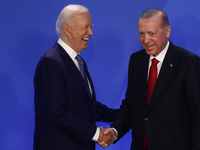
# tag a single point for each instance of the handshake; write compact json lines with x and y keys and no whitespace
{"x":106,"y":137}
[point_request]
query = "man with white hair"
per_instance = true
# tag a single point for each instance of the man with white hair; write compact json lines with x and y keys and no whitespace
{"x":65,"y":105}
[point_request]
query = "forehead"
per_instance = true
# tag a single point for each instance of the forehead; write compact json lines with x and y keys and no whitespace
{"x":149,"y":23}
{"x":83,"y":18}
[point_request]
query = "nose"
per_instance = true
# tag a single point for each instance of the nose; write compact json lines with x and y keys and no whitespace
{"x":146,"y":39}
{"x":90,"y":32}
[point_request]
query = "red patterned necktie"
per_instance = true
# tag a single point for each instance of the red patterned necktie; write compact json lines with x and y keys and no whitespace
{"x":151,"y":84}
{"x":152,"y":79}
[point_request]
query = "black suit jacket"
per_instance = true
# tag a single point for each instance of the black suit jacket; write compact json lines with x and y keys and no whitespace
{"x":172,"y":119}
{"x":64,"y":113}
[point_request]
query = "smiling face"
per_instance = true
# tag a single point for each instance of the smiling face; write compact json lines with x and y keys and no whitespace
{"x":80,"y":31}
{"x":153,"y":36}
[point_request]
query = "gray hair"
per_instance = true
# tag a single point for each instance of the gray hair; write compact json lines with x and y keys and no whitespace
{"x":67,"y":15}
{"x":151,"y":12}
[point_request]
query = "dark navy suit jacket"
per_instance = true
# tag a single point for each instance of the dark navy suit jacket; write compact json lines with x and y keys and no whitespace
{"x":172,"y":119}
{"x":64,"y":113}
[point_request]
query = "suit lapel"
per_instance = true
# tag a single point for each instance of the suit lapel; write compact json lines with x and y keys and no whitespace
{"x":168,"y":67}
{"x":143,"y":75}
{"x":70,"y":64}
{"x":91,"y":84}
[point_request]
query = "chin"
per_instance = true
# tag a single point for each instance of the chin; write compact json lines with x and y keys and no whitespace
{"x":85,"y":47}
{"x":149,"y":53}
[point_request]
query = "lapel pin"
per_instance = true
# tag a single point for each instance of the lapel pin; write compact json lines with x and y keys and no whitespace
{"x":170,"y":65}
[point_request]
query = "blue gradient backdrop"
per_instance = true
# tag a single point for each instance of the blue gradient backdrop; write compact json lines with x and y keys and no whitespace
{"x":28,"y":31}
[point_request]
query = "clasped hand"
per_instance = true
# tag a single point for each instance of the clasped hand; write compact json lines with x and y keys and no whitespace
{"x":106,"y":137}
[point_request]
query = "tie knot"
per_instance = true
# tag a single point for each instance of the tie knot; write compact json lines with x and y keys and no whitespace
{"x":154,"y":61}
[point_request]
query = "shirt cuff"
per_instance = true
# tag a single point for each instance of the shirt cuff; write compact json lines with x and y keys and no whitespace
{"x":116,"y":133}
{"x":96,"y":136}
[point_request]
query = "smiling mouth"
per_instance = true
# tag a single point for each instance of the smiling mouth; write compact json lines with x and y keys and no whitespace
{"x":85,"y":39}
{"x":149,"y":46}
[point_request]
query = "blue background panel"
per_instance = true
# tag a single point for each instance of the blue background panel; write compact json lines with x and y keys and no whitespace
{"x":28,"y":31}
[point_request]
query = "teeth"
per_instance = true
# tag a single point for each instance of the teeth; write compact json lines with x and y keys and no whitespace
{"x":86,"y":39}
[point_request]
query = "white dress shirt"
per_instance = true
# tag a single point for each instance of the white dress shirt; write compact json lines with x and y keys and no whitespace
{"x":73,"y":55}
{"x":160,"y":57}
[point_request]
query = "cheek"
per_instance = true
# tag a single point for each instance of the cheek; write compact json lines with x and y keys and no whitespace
{"x":141,"y":39}
{"x":81,"y":35}
{"x":78,"y":34}
{"x":159,"y":41}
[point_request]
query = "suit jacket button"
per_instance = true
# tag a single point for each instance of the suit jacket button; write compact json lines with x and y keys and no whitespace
{"x":146,"y":119}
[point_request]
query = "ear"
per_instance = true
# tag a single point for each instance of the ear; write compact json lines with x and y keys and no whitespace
{"x":168,"y":31}
{"x":67,"y":29}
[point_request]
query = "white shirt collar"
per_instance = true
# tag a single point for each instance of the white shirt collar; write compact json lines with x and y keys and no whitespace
{"x":160,"y":57}
{"x":67,"y":48}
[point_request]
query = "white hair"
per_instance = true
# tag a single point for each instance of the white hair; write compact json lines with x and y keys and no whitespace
{"x":67,"y":15}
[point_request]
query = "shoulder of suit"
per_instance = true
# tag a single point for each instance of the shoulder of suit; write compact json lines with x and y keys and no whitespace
{"x":51,"y":55}
{"x":139,"y":54}
{"x":182,"y":51}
